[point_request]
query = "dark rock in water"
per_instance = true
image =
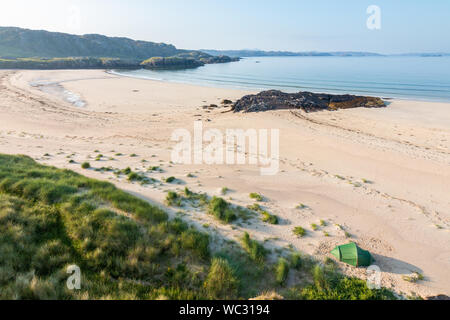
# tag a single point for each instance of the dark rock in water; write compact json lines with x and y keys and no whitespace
{"x":307,"y":101}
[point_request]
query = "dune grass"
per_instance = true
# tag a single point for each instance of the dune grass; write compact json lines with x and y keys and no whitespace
{"x":256,"y":196}
{"x":255,"y":250}
{"x":221,"y":209}
{"x":127,"y":248}
{"x":299,"y":232}
{"x":282,"y":271}
{"x":53,"y":218}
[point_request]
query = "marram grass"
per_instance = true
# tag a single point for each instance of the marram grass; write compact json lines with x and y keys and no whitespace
{"x":128,"y":249}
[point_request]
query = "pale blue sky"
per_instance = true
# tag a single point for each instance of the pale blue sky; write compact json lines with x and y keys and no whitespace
{"x":297,"y":25}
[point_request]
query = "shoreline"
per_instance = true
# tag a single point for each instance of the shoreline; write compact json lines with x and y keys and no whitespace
{"x":403,"y":150}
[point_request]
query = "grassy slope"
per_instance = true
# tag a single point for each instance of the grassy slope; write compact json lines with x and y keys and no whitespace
{"x":126,"y":248}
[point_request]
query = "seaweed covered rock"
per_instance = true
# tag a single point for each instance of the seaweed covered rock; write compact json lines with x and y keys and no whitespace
{"x":307,"y":101}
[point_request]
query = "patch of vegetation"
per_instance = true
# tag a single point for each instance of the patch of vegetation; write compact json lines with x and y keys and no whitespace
{"x":173,"y":200}
{"x":314,"y":226}
{"x":255,"y":250}
{"x":86,"y":165}
{"x":299,"y":232}
{"x":282,"y":271}
{"x":125,"y":247}
{"x":295,"y":260}
{"x":415,"y":277}
{"x":170,"y":180}
{"x":256,"y":196}
{"x":302,"y":206}
{"x":329,"y":285}
{"x":224,"y":191}
{"x":269,"y":218}
{"x":221,"y":282}
{"x":219,"y":208}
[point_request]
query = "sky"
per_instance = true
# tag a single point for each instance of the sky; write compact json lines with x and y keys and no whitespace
{"x":289,"y":25}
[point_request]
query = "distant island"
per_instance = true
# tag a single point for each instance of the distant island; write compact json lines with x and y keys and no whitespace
{"x":38,"y":49}
{"x":261,"y":53}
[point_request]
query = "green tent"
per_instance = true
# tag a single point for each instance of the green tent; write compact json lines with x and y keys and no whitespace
{"x":353,"y":255}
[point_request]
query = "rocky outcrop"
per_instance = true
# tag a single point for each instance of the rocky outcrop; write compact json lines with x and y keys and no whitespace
{"x":171,"y":63}
{"x":307,"y":101}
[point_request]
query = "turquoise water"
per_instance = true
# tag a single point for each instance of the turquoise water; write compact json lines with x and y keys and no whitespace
{"x":420,"y":78}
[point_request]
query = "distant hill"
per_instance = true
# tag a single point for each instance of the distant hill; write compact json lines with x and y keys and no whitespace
{"x":24,"y":43}
{"x":260,"y":53}
{"x":37,"y":49}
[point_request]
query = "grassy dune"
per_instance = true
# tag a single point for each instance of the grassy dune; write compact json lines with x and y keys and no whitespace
{"x":128,"y":249}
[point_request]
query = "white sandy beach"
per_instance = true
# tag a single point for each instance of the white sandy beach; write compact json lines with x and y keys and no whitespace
{"x":383,"y":175}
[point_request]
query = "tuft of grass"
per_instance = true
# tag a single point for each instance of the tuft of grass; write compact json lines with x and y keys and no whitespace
{"x":170,"y":180}
{"x":224,"y":191}
{"x":296,"y":260}
{"x":256,"y":196}
{"x":172,"y":199}
{"x":314,"y":226}
{"x":302,"y":206}
{"x":133,"y":155}
{"x":415,"y":277}
{"x":299,"y":232}
{"x":323,"y":223}
{"x":86,"y":165}
{"x":269,"y":218}
{"x":255,"y":207}
{"x":255,"y":250}
{"x":221,"y":282}
{"x":221,"y":209}
{"x":281,"y":271}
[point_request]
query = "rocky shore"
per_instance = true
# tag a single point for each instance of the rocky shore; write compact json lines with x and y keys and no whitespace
{"x":307,"y":101}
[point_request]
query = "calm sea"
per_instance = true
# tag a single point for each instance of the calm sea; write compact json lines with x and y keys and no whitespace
{"x":420,"y":78}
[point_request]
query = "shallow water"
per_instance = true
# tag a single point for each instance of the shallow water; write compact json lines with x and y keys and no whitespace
{"x":419,"y":78}
{"x":54,"y":88}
